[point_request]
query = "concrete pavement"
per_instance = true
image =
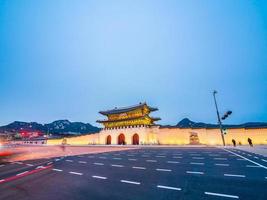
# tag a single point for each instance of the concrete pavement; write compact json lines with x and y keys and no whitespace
{"x":146,"y":173}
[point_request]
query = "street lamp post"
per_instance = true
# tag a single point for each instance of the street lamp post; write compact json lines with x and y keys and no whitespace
{"x":218,"y":116}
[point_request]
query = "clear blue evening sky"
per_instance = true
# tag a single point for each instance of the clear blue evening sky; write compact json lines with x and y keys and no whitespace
{"x":70,"y":59}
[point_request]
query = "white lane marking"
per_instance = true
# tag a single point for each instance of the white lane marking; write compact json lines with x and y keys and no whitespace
{"x":132,"y":159}
{"x":83,"y":162}
{"x":177,"y":157}
{"x":214,"y":155}
{"x":58,"y":170}
{"x":146,"y":156}
{"x":241,"y":159}
{"x":130,"y":182}
{"x":69,"y":160}
{"x":100,"y":177}
{"x":116,"y":158}
{"x":80,"y":156}
{"x":151,"y":160}
{"x":2,"y":165}
{"x":39,"y":167}
{"x":30,"y":165}
{"x":196,"y":163}
{"x":160,"y":156}
{"x":22,"y":173}
{"x":222,"y":195}
{"x":117,"y":165}
{"x":49,"y":163}
{"x":102,"y":157}
{"x":256,"y":157}
{"x":252,"y":166}
{"x":76,"y":173}
{"x":91,"y":156}
{"x":249,"y":154}
{"x":198,"y":158}
{"x":220,"y":158}
{"x":220,"y":164}
{"x":235,"y":175}
{"x":246,"y":158}
{"x":264,"y":160}
{"x":173,"y":162}
{"x":20,"y":163}
{"x":195,"y":154}
{"x":192,"y":172}
{"x":96,"y":163}
{"x":168,"y":187}
{"x":2,"y":180}
{"x":164,"y":170}
{"x":138,"y":167}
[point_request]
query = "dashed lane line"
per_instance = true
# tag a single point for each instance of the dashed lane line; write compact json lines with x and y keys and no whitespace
{"x":132,"y":159}
{"x":246,"y":159}
{"x":22,"y":173}
{"x":193,"y":172}
{"x":131,"y":182}
{"x":30,"y":165}
{"x":220,"y":164}
{"x":264,"y":160}
{"x":102,"y":157}
{"x":116,"y":158}
{"x":252,"y":166}
{"x":98,"y":163}
{"x":40,"y":167}
{"x":2,"y":165}
{"x":76,"y":173}
{"x":69,"y":160}
{"x":235,"y":175}
{"x":100,"y":177}
{"x":82,"y":162}
{"x":220,"y":158}
{"x":151,"y":160}
{"x":173,"y":162}
{"x":58,"y":170}
{"x":138,"y":167}
{"x":196,"y":163}
{"x":241,"y":159}
{"x":164,"y":170}
{"x":117,"y":166}
{"x":177,"y":157}
{"x":160,"y":156}
{"x":222,"y":195}
{"x":168,"y":187}
{"x":198,"y":158}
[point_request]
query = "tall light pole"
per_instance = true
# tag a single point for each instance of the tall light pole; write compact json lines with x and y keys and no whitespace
{"x":218,"y":116}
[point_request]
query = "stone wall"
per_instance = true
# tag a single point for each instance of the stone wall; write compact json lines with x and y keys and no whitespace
{"x":168,"y":136}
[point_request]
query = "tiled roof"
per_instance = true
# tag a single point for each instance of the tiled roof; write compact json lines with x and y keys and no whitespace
{"x":126,"y":109}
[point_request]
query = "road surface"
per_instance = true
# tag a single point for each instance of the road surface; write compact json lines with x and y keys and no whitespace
{"x":146,"y":173}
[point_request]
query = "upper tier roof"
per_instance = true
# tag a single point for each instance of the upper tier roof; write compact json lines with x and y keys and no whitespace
{"x":126,"y":109}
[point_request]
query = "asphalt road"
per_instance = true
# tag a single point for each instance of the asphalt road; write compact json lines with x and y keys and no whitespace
{"x":146,"y":173}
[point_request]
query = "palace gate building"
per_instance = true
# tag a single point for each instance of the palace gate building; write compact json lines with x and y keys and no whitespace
{"x":129,"y":125}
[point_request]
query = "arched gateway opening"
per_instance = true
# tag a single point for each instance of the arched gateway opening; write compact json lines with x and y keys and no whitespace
{"x":135,"y":139}
{"x":121,"y":139}
{"x":108,"y":140}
